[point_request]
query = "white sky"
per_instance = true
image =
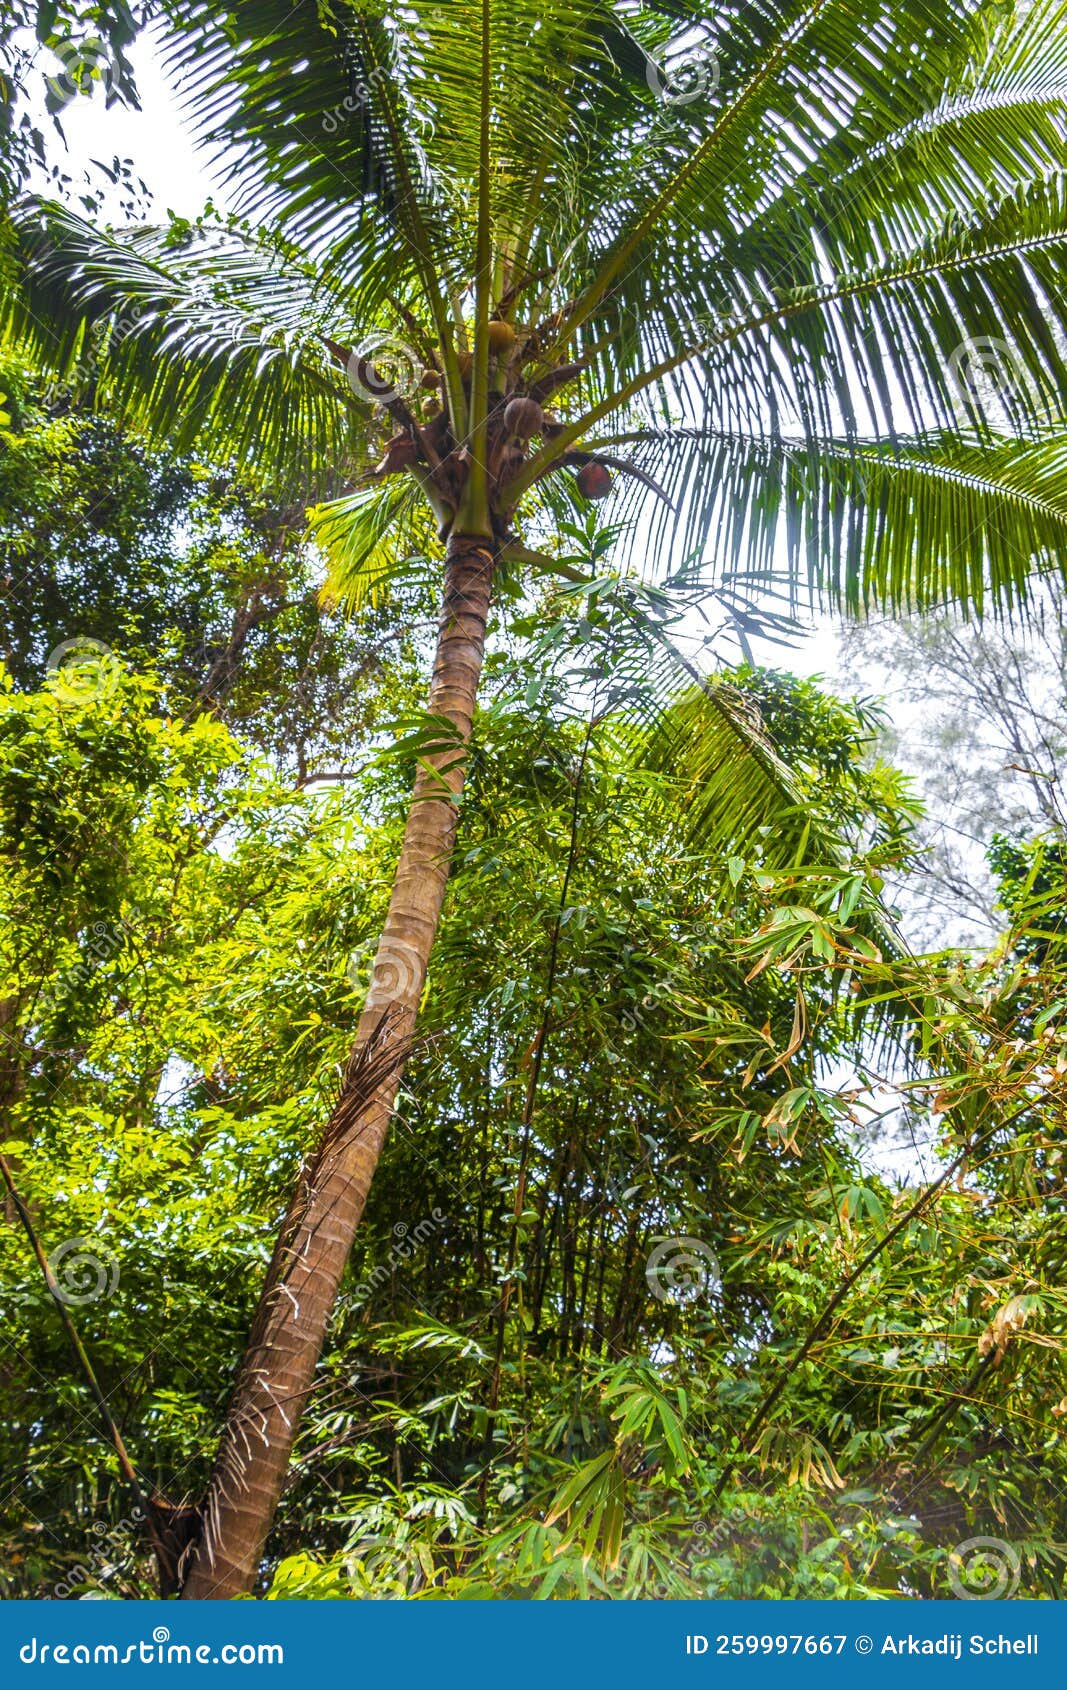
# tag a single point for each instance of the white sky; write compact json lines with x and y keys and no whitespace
{"x":154,"y":138}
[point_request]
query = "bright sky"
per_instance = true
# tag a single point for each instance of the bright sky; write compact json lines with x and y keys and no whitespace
{"x":154,"y":138}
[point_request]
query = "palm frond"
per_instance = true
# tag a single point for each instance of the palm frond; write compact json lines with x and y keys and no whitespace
{"x":728,"y":786}
{"x":213,"y":343}
{"x":789,"y":265}
{"x":364,"y":535}
{"x":936,"y":519}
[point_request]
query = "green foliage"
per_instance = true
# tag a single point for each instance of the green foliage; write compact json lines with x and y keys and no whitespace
{"x":187,"y":568}
{"x":1032,"y":882}
{"x":181,"y":974}
{"x":632,"y":1312}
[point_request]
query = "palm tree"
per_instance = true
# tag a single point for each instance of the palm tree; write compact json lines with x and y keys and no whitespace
{"x":790,"y":275}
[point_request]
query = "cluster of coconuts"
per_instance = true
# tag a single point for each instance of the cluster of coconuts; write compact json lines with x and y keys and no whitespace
{"x":523,"y":416}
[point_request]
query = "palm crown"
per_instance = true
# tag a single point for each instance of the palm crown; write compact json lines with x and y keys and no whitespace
{"x":798,"y":266}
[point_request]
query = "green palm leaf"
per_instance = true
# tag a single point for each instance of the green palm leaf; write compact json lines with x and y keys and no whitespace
{"x":365,"y":536}
{"x":208,"y":340}
{"x":947,"y":517}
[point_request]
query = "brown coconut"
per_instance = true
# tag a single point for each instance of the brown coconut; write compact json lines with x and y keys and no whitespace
{"x":594,"y":480}
{"x":523,"y":416}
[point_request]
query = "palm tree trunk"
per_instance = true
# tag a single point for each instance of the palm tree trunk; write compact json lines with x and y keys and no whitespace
{"x":316,"y":1237}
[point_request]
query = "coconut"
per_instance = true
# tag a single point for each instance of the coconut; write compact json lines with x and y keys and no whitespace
{"x":501,"y":338}
{"x":594,"y":480}
{"x":465,"y":362}
{"x":523,"y":416}
{"x":430,"y":378}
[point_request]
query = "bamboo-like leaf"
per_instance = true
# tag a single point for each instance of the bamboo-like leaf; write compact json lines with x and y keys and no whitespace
{"x":364,"y":536}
